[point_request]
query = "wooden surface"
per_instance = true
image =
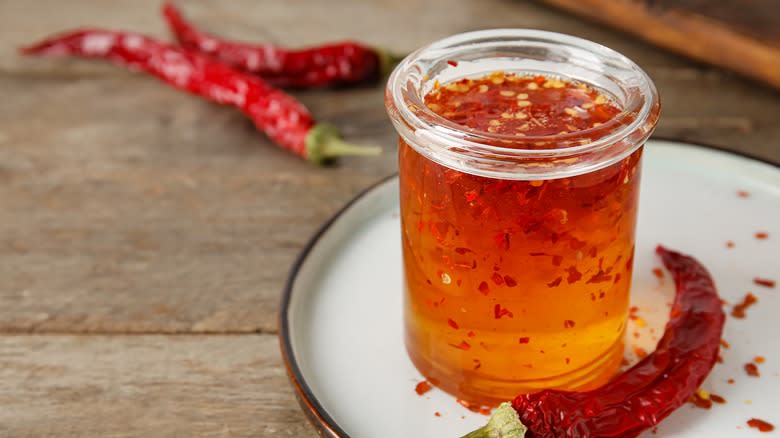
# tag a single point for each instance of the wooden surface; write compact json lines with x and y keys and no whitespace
{"x":145,"y":235}
{"x":741,"y":35}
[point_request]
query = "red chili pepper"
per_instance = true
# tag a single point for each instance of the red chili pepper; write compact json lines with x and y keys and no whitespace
{"x":644,"y":395}
{"x":279,"y":115}
{"x":332,"y":64}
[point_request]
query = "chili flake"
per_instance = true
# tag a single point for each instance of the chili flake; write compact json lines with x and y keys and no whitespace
{"x":699,"y":401}
{"x":555,"y":283}
{"x":759,"y":359}
{"x":484,"y":289}
{"x":658,"y":272}
{"x":743,"y":193}
{"x":497,"y":278}
{"x":739,"y":310}
{"x":762,"y":235}
{"x":752,"y":370}
{"x":568,"y":323}
{"x":452,"y":323}
{"x":510,"y":282}
{"x":574,"y":275}
{"x":422,"y":387}
{"x":717,"y":399}
{"x":499,"y":312}
{"x":761,"y":425}
{"x":729,"y":244}
{"x":524,"y":340}
{"x":764,"y":282}
{"x":437,"y":413}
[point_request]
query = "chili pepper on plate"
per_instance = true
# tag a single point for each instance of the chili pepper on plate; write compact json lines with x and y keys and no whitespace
{"x":652,"y":389}
{"x":343,"y":63}
{"x":285,"y":120}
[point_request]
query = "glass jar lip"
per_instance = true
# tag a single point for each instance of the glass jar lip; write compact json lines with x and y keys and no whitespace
{"x":410,"y":114}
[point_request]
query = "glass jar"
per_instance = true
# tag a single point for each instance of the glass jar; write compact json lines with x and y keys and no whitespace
{"x":518,"y":249}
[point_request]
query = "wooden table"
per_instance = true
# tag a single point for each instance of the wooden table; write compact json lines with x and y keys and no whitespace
{"x":145,"y":235}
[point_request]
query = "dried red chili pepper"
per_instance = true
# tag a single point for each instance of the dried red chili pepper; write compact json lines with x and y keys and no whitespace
{"x":279,"y":115}
{"x":647,"y":393}
{"x":332,"y":64}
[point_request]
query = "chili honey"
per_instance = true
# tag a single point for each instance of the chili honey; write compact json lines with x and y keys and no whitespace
{"x":518,"y":209}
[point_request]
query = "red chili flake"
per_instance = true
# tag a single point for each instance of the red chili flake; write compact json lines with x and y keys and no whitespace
{"x":462,"y":251}
{"x":452,"y":323}
{"x":568,"y":323}
{"x":422,"y":387}
{"x":574,"y":275}
{"x":452,"y":62}
{"x":658,"y":272}
{"x":420,"y":225}
{"x":497,"y":278}
{"x":636,"y":335}
{"x":761,"y":425}
{"x":502,"y":240}
{"x":630,"y":262}
{"x":764,"y":282}
{"x":557,"y":260}
{"x":601,"y":277}
{"x":729,"y":244}
{"x":762,"y":235}
{"x":717,"y":399}
{"x":437,"y":413}
{"x":498,"y":312}
{"x":484,"y":289}
{"x":470,"y":334}
{"x":743,"y":194}
{"x":602,"y":294}
{"x":459,"y":282}
{"x":759,"y":359}
{"x":640,"y":352}
{"x":739,"y":310}
{"x":730,"y":381}
{"x":576,"y":244}
{"x":555,"y":282}
{"x":510,"y":282}
{"x":471,"y":195}
{"x":752,"y":370}
{"x":699,"y":401}
{"x":477,"y":364}
{"x":719,"y":359}
{"x":593,"y":252}
{"x":524,"y":340}
{"x":617,"y":278}
{"x":725,"y":344}
{"x":568,"y":360}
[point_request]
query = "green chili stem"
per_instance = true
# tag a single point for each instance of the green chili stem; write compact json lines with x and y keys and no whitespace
{"x":324,"y":143}
{"x":504,"y":423}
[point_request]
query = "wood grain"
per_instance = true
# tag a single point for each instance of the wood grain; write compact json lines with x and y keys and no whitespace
{"x":713,"y":31}
{"x":146,"y":386}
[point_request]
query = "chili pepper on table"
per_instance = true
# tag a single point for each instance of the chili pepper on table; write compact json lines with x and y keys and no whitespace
{"x":327,"y":65}
{"x":285,"y":120}
{"x":648,"y":392}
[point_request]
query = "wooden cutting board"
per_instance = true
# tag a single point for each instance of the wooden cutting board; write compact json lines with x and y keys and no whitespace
{"x":740,"y":35}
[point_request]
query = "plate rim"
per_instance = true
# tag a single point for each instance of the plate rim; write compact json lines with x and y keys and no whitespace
{"x":316,"y":414}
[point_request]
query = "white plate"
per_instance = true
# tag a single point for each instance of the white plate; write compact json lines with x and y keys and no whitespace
{"x":341,"y":316}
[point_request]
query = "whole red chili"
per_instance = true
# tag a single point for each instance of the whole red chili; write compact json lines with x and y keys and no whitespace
{"x":332,"y":64}
{"x":648,"y":392}
{"x":279,"y":115}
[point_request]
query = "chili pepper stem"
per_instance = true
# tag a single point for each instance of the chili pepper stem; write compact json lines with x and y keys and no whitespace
{"x":324,"y":143}
{"x":504,"y":423}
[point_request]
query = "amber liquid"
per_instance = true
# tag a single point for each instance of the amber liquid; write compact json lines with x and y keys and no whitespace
{"x":514,"y":286}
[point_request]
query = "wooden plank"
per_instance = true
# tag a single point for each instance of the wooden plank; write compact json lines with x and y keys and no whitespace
{"x":701,"y":30}
{"x":146,"y":386}
{"x":127,"y":207}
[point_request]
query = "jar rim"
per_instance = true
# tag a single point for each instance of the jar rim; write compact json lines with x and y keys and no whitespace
{"x":450,"y":143}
